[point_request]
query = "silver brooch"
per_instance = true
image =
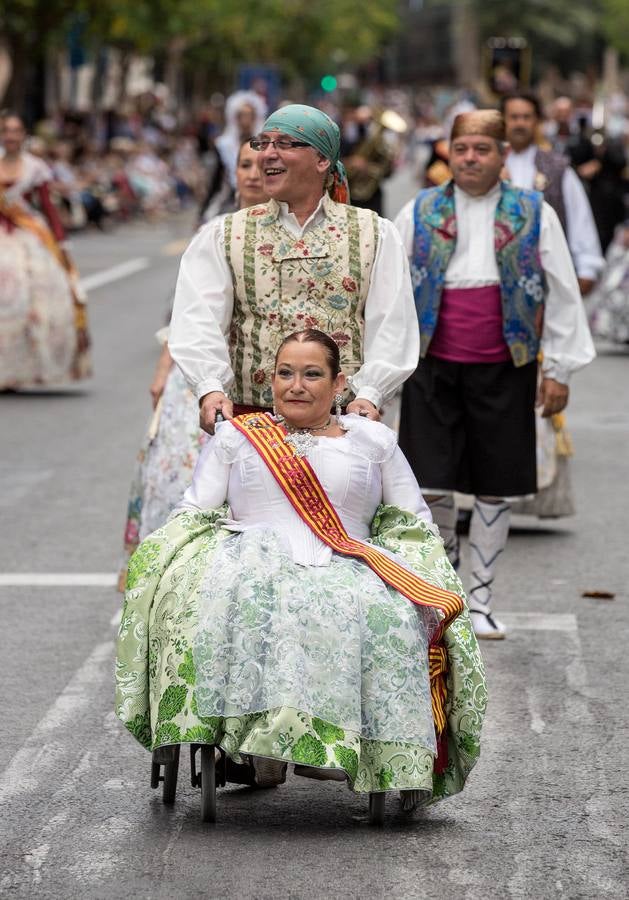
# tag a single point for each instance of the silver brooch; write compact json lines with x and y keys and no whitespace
{"x":301,"y":442}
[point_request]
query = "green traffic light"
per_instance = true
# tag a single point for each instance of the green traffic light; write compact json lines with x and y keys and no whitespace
{"x":329,"y":83}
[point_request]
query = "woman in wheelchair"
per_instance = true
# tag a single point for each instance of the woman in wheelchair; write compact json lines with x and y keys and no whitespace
{"x":298,"y":608}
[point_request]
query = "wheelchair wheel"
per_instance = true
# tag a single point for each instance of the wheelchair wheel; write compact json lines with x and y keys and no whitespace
{"x":376,"y":808}
{"x":208,"y":784}
{"x":168,"y":757}
{"x":171,"y":770}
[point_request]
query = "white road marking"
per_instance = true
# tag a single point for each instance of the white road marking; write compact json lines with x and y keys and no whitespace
{"x":46,"y":748}
{"x":114,"y":273}
{"x":599,"y":818}
{"x":116,"y":618}
{"x":58,"y":579}
{"x":66,"y":796}
{"x":537,"y":723}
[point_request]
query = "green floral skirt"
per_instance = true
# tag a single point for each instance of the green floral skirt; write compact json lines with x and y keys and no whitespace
{"x":157,"y":691}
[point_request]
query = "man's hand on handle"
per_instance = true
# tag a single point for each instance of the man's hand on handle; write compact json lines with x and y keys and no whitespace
{"x":552,"y":397}
{"x":586,"y":285}
{"x":212,"y":405}
{"x":364,"y":408}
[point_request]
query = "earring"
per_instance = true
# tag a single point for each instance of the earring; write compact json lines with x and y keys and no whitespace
{"x":338,"y":399}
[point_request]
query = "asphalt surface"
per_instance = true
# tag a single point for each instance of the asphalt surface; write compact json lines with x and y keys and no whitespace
{"x":545,"y":811}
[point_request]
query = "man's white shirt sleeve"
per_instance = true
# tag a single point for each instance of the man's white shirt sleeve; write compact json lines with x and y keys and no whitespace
{"x":391,"y":341}
{"x":405,"y":224}
{"x":202,"y":313}
{"x":566,"y":340}
{"x":583,"y":239}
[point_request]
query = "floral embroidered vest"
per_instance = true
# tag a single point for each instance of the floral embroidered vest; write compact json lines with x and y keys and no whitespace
{"x":516,"y":241}
{"x":283,"y":284}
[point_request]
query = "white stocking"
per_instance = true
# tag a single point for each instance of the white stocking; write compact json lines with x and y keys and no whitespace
{"x":444,"y":515}
{"x":489,"y":529}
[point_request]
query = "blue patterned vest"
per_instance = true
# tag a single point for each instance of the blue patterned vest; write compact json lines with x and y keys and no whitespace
{"x":516,"y":241}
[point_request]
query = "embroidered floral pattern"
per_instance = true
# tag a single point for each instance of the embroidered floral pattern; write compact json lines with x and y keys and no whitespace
{"x":516,"y":239}
{"x":341,"y":338}
{"x":157,"y":675}
{"x":282,"y":284}
{"x":533,"y":286}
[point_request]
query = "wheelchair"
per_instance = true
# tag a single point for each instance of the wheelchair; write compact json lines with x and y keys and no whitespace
{"x":211,"y":768}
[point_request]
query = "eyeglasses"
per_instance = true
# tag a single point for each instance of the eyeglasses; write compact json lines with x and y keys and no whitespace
{"x":281,"y":144}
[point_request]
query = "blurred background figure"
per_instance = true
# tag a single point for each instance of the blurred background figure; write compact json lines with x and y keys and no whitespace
{"x":43,"y":334}
{"x":151,"y":179}
{"x":599,"y":159}
{"x":605,"y":177}
{"x":533,"y":165}
{"x":567,"y":134}
{"x":369,"y":149}
{"x":426,"y":134}
{"x":245,"y":112}
{"x":608,"y":305}
{"x":66,"y":185}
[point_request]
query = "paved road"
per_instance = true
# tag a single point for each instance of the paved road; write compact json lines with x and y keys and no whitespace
{"x":545,"y":812}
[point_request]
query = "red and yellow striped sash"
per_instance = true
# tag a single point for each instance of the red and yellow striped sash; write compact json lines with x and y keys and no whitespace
{"x":298,"y":480}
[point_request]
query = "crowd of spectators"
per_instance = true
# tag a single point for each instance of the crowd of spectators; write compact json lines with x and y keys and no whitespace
{"x":111,"y":169}
{"x":114,"y":166}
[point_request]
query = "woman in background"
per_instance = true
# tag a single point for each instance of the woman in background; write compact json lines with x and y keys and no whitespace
{"x":43,"y":320}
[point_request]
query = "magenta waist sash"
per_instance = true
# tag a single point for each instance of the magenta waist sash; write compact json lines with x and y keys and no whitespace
{"x":470,"y":327}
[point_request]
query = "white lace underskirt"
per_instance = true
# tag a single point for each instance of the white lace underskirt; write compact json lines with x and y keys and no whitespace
{"x":331,"y":641}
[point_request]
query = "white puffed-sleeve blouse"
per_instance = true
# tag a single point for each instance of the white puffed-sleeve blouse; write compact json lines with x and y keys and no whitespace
{"x":360,"y":470}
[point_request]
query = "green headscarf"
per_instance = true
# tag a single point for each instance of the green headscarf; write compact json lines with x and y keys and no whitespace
{"x":308,"y":124}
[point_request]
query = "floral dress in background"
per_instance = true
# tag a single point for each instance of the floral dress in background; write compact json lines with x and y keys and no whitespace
{"x":165,"y":464}
{"x":608,"y":305}
{"x":43,"y":319}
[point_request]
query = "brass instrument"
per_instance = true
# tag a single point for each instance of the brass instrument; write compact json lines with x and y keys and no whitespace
{"x":365,"y":178}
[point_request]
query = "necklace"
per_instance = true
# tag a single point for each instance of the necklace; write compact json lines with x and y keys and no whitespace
{"x":302,"y":440}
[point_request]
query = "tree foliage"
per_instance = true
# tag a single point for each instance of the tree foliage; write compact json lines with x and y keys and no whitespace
{"x":297,"y":35}
{"x":615,"y":20}
{"x":567,"y":33}
{"x":561,"y":22}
